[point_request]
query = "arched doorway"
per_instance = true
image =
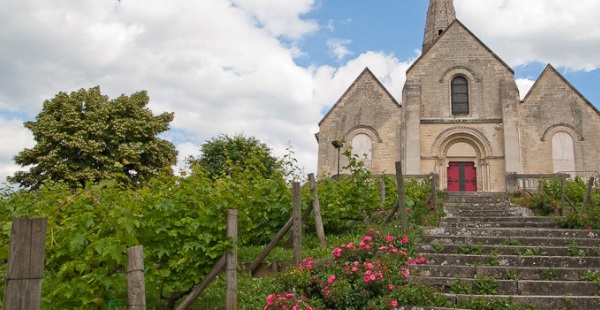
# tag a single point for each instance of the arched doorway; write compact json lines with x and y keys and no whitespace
{"x":461,"y":160}
{"x":461,"y":174}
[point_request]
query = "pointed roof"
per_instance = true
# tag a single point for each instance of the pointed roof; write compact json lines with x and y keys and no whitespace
{"x":440,"y":15}
{"x":457,"y":23}
{"x":551,"y":70}
{"x":366,"y":71}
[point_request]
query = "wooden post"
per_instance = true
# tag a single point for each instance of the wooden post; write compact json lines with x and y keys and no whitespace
{"x":400,"y":204}
{"x":136,"y":288}
{"x":317,"y":210}
{"x":217,"y":269}
{"x":588,"y":193}
{"x":254,"y":266}
{"x":562,"y":193}
{"x":25,"y":264}
{"x":434,"y":192}
{"x":382,"y":191}
{"x":297,"y":222}
{"x":290,"y":242}
{"x":231,"y":266}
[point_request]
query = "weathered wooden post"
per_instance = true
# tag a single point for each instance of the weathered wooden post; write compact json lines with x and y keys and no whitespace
{"x":588,"y":193}
{"x":562,"y":193}
{"x":434,"y":185}
{"x":382,"y":191}
{"x":217,"y":269}
{"x":25,"y":264}
{"x":317,"y":210}
{"x":297,"y":223}
{"x":231,"y":265}
{"x":400,"y":205}
{"x":136,"y":288}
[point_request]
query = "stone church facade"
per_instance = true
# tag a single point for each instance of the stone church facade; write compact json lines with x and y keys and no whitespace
{"x":461,"y":117}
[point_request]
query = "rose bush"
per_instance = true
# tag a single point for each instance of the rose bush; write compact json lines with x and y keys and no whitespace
{"x":361,"y":275}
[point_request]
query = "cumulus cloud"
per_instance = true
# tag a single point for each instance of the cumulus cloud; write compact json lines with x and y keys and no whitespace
{"x":331,"y":83}
{"x":14,"y":138}
{"x":563,"y":33}
{"x":221,"y":68}
{"x":524,"y":85}
{"x":338,"y":48}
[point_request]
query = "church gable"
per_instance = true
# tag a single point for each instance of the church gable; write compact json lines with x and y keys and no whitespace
{"x":365,"y":91}
{"x":551,"y":108}
{"x":366,"y":119}
{"x":459,"y":53}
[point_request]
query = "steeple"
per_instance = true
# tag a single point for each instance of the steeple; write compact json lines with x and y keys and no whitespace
{"x":439,"y":16}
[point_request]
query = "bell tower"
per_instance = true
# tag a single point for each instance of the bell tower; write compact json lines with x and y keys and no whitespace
{"x":439,"y":16}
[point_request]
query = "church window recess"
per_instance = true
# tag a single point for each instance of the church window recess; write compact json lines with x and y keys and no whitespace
{"x":362,"y":149}
{"x":460,"y":95}
{"x":563,"y":154}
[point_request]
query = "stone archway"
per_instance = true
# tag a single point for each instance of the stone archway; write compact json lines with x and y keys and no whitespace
{"x":462,"y":145}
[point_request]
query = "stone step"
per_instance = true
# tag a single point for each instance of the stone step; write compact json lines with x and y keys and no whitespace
{"x":477,"y":198}
{"x":500,"y":272}
{"x":512,"y":240}
{"x":508,"y":212}
{"x":424,"y":308}
{"x":525,"y":219}
{"x":478,"y":205}
{"x":490,"y":222}
{"x":509,"y":287}
{"x":509,"y":249}
{"x":541,"y":302}
{"x":513,"y":260}
{"x":516,"y":232}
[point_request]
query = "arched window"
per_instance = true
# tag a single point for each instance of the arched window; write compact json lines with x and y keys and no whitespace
{"x":563,"y":154}
{"x":460,"y":95}
{"x":362,"y":146}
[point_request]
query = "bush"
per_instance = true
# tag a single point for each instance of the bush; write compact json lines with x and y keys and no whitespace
{"x":369,"y":274}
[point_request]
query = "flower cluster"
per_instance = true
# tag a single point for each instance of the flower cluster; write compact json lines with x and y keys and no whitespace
{"x":374,"y":243}
{"x":287,"y":301}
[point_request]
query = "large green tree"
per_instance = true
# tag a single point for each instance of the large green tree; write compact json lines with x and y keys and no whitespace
{"x":226,"y":154}
{"x":86,"y":137}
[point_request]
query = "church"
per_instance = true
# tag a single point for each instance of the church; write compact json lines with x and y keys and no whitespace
{"x":461,"y":117}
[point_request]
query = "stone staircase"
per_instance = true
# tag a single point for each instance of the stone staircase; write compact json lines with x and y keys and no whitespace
{"x":487,"y":249}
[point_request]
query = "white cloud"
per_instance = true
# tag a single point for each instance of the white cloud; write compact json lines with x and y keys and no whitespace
{"x":524,"y":85}
{"x":14,"y":138}
{"x":331,"y":83}
{"x":338,"y":48}
{"x":563,"y":33}
{"x":220,"y":67}
{"x":281,"y":18}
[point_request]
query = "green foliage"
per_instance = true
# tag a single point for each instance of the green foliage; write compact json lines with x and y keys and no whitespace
{"x":181,"y":221}
{"x":479,"y":286}
{"x":357,"y":197}
{"x":480,"y":303}
{"x":471,"y":249}
{"x":85,"y":137}
{"x":592,"y":276}
{"x":573,"y":248}
{"x":547,"y":274}
{"x":547,"y":202}
{"x":225,"y":155}
{"x":540,"y":203}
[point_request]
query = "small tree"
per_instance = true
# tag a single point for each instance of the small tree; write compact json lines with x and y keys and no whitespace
{"x":85,"y":137}
{"x":225,"y":154}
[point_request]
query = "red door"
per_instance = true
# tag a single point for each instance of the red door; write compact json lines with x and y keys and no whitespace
{"x":462,"y":177}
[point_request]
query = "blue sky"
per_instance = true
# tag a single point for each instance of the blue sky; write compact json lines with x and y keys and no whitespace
{"x":265,"y":68}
